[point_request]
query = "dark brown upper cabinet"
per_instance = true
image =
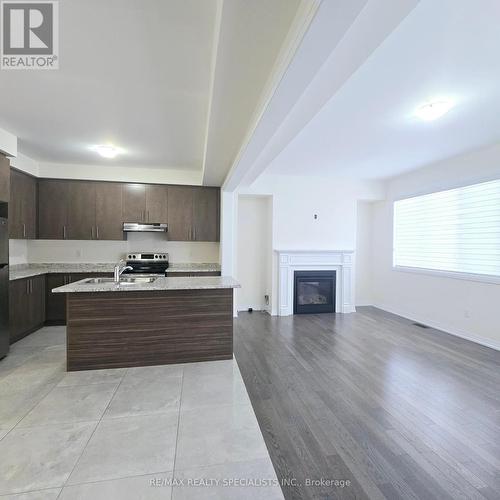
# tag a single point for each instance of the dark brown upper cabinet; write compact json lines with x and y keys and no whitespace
{"x":156,"y":203}
{"x":206,"y":217}
{"x":88,"y":210}
{"x":180,"y":213}
{"x":53,"y":201}
{"x":4,"y":178}
{"x":193,"y":213}
{"x":145,"y":203}
{"x":23,"y":206}
{"x":134,"y":203}
{"x":108,"y":212}
{"x":81,"y":211}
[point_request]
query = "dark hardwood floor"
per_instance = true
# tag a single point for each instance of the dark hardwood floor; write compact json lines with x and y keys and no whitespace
{"x":397,"y":410}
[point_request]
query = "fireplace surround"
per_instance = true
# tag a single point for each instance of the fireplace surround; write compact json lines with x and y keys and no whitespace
{"x":340,"y":261}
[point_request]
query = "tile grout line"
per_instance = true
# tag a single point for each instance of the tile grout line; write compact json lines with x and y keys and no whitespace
{"x":178,"y":424}
{"x":91,"y":435}
{"x":97,"y":481}
{"x":29,"y":411}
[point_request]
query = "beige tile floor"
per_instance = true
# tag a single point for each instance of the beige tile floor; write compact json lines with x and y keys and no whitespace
{"x":126,"y":433}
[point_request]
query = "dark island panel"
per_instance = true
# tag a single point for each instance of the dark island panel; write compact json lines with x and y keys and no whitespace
{"x":115,"y":330}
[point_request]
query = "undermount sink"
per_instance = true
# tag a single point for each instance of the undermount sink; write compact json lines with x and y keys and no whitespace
{"x":137,"y":279}
{"x":123,"y":281}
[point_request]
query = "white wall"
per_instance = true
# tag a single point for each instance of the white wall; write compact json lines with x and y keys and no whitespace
{"x":120,"y":174}
{"x":26,"y":164}
{"x":18,"y":252}
{"x":254,"y":252}
{"x":465,"y":308}
{"x":8,"y":143}
{"x":364,"y":256}
{"x":37,"y":251}
{"x":297,"y":199}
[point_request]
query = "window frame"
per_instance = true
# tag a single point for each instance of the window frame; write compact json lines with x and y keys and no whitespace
{"x":481,"y":278}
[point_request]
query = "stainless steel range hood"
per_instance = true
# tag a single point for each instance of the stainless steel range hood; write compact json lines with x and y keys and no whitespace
{"x":144,"y":227}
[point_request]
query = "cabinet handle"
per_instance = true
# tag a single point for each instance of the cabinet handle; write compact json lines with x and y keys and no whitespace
{"x":27,"y":287}
{"x":97,"y":232}
{"x":24,"y":230}
{"x":92,"y":233}
{"x":64,"y":232}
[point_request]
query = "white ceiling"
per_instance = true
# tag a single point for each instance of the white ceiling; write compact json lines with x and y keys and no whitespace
{"x":133,"y":73}
{"x":249,"y":43}
{"x":366,"y":130}
{"x":144,"y":76}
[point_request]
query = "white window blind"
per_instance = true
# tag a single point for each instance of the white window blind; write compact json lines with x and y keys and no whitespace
{"x":456,"y":230}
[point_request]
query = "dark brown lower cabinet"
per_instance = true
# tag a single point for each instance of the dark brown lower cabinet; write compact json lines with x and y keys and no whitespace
{"x":27,"y":306}
{"x":55,"y":306}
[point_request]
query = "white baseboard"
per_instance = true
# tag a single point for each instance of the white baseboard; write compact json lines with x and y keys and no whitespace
{"x":439,"y":326}
{"x":260,"y":307}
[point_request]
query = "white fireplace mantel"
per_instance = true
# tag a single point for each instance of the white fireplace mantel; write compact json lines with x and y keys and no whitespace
{"x":340,"y":261}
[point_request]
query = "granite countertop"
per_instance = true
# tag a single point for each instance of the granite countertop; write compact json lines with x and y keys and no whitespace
{"x":159,"y":284}
{"x":21,"y":271}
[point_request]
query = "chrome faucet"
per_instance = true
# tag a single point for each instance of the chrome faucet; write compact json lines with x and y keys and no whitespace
{"x":120,"y":268}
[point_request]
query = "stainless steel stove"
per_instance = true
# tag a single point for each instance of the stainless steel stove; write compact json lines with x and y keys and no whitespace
{"x":147,"y":263}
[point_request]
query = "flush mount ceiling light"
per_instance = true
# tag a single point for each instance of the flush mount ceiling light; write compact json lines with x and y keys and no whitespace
{"x":107,"y":151}
{"x":433,"y":110}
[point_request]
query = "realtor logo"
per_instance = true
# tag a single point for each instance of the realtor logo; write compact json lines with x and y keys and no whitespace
{"x":30,"y":35}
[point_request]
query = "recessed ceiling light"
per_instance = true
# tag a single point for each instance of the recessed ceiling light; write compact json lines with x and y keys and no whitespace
{"x":433,"y":110}
{"x":107,"y":151}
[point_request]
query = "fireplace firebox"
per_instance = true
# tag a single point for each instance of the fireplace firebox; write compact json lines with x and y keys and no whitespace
{"x":314,"y":292}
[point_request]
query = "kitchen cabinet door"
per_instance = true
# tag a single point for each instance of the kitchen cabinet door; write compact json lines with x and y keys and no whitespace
{"x":30,"y":206}
{"x":55,"y":306}
{"x":26,"y":306}
{"x":4,"y":178}
{"x":156,"y":203}
{"x":16,"y":205}
{"x":81,"y":211}
{"x":52,"y":209}
{"x":22,"y":206}
{"x":109,"y":221}
{"x":206,"y":214}
{"x":180,"y":213}
{"x":134,"y":203}
{"x":18,"y":308}
{"x":36,"y":302}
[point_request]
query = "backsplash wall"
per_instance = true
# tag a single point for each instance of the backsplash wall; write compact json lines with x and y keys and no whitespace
{"x":18,"y":252}
{"x":37,"y":251}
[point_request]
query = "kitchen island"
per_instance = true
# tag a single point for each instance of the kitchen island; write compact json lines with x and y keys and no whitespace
{"x":152,"y":321}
